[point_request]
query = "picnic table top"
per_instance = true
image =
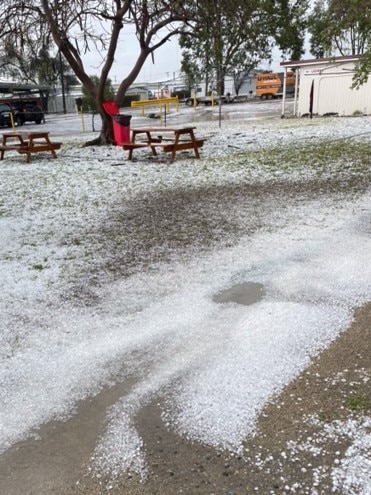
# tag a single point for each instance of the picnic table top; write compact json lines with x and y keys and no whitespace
{"x":26,"y":134}
{"x":162,"y":129}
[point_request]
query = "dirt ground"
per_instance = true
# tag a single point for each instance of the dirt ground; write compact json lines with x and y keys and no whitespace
{"x":335,"y":387}
{"x":332,"y":388}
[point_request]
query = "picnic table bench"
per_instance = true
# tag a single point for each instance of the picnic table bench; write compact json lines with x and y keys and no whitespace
{"x":28,"y":143}
{"x":181,"y":138}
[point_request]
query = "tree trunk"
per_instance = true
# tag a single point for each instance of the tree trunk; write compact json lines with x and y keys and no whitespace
{"x":106,"y":133}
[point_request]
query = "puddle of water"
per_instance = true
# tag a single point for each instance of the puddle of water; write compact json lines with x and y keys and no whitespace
{"x":246,"y":293}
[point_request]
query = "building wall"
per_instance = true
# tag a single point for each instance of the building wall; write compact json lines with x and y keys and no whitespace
{"x":56,"y":103}
{"x":332,"y":91}
{"x":248,"y":87}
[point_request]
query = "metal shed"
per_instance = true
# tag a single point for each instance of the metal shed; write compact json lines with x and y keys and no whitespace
{"x":324,"y":86}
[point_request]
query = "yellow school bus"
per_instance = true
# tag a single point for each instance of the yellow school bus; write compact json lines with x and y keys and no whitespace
{"x":270,"y":85}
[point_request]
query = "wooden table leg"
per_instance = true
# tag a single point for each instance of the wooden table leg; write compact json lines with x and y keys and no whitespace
{"x":149,"y":140}
{"x":54,"y":154}
{"x":130,"y":156}
{"x":195,"y":147}
{"x":176,"y":140}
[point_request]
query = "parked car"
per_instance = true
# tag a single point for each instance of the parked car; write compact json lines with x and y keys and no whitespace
{"x":6,"y":112}
{"x":28,"y":111}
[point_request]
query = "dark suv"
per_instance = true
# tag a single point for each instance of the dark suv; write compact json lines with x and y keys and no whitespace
{"x":6,"y":113}
{"x":28,"y":111}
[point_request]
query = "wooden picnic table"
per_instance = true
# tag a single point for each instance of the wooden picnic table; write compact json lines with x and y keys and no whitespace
{"x":28,"y":143}
{"x":170,"y":139}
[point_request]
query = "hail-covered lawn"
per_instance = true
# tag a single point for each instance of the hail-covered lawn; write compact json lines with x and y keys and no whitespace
{"x":109,"y":270}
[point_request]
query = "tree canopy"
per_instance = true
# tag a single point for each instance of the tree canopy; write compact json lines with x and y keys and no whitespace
{"x":222,"y":42}
{"x":340,"y":27}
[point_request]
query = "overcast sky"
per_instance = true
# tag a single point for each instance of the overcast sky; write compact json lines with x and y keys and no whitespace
{"x":166,"y":64}
{"x":167,"y":60}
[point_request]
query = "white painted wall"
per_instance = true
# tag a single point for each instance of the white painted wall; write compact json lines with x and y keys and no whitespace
{"x":332,"y":90}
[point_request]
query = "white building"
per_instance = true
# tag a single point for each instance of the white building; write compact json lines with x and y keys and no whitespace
{"x":324,"y":86}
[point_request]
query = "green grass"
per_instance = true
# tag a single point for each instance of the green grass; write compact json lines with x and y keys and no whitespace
{"x":358,"y":402}
{"x":310,"y":154}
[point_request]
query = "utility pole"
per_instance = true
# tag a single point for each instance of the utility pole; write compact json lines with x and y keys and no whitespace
{"x":62,"y":82}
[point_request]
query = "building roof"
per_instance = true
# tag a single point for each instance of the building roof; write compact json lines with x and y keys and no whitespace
{"x":12,"y":87}
{"x":320,"y":61}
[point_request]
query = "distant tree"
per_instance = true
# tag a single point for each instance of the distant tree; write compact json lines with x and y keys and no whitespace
{"x":191,"y":73}
{"x":343,"y":28}
{"x":340,"y":27}
{"x":88,"y":103}
{"x":20,"y":48}
{"x":26,"y":57}
{"x":44,"y":68}
{"x":231,"y":38}
{"x":287,"y":24}
{"x":363,"y":69}
{"x":240,"y":76}
{"x":223,"y":39}
{"x":320,"y":43}
{"x":61,"y":69}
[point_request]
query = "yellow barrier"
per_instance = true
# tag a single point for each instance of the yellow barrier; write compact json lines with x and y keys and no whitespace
{"x":157,"y":102}
{"x":82,"y":120}
{"x":12,"y":120}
